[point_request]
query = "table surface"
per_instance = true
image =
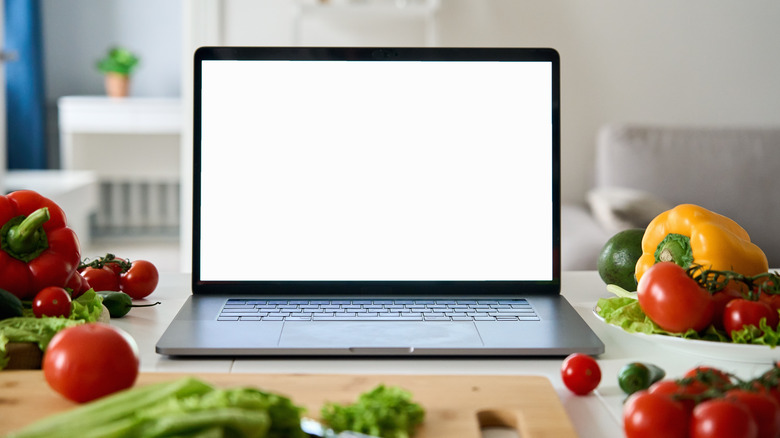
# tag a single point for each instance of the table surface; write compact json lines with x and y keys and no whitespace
{"x":594,"y":415}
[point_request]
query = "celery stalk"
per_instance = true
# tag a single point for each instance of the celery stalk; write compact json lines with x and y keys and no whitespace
{"x":112,"y":415}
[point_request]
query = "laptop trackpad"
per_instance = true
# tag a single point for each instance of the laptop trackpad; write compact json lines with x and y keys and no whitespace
{"x":360,"y":334}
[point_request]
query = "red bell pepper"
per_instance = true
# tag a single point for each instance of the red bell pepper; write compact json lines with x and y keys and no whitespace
{"x":37,"y":249}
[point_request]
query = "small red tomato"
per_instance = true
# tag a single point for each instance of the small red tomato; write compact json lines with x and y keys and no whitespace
{"x":651,"y":415}
{"x":101,"y":279}
{"x":78,"y":284}
{"x":741,"y":312}
{"x":140,"y":280}
{"x":580,"y":373}
{"x":763,"y":407}
{"x":720,"y":299}
{"x":722,"y":418}
{"x":89,"y":361}
{"x":52,"y":301}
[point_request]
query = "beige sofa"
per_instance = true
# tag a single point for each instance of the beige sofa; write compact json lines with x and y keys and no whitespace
{"x":643,"y":170}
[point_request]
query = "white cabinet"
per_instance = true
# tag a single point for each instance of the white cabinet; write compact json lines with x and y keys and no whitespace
{"x":133,"y":146}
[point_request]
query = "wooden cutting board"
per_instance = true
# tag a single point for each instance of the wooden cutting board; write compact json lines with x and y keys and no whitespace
{"x":456,"y":405}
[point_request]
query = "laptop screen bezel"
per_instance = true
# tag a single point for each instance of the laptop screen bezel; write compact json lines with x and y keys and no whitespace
{"x":384,"y":288}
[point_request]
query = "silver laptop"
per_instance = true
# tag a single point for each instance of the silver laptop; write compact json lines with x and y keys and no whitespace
{"x":376,"y":201}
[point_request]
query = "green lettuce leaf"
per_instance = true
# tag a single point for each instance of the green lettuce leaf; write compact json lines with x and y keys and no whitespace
{"x":87,"y":307}
{"x":30,"y":329}
{"x":388,"y":412}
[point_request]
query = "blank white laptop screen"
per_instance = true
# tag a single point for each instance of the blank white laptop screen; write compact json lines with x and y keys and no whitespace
{"x":386,"y":171}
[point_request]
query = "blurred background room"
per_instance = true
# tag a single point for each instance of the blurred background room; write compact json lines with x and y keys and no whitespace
{"x":120,"y":166}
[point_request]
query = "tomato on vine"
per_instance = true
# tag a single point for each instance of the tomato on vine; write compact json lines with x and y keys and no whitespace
{"x":140,"y":280}
{"x":762,"y":407}
{"x":722,"y":418}
{"x":673,"y":300}
{"x":653,"y":414}
{"x":740,"y":313}
{"x":101,"y":279}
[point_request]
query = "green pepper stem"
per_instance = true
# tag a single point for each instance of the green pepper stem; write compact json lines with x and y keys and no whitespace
{"x":675,"y":248}
{"x":26,"y":239}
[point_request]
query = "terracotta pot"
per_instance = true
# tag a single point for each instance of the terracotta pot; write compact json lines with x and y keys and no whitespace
{"x":117,"y":85}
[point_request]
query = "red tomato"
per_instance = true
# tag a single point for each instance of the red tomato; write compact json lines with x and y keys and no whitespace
{"x":89,"y":361}
{"x":140,"y":280}
{"x":741,"y":312}
{"x":710,"y":377}
{"x":773,"y":300}
{"x":580,"y":373}
{"x":101,"y":279}
{"x":52,"y":301}
{"x":652,"y":415}
{"x":721,"y":418}
{"x":673,"y":300}
{"x":77,"y":284}
{"x":685,"y":393}
{"x":764,"y":409}
{"x":770,"y":381}
{"x":720,"y":299}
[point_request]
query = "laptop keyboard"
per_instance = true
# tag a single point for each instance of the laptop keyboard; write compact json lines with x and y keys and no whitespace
{"x":377,"y":310}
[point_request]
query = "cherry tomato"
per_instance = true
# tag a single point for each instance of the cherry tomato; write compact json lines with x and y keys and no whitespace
{"x":773,"y":300}
{"x":140,"y":280}
{"x":580,"y":373}
{"x":720,"y":299}
{"x":763,"y":407}
{"x":77,"y":284}
{"x":722,"y":418}
{"x":651,"y":415}
{"x":770,"y":381}
{"x":685,"y":393}
{"x":89,"y":361}
{"x":673,"y":300}
{"x":52,"y":301}
{"x":101,"y":279}
{"x":710,"y":377}
{"x":741,"y":312}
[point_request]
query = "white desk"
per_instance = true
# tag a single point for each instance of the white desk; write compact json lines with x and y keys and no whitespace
{"x":595,"y":415}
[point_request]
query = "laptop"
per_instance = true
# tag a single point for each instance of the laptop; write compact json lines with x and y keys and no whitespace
{"x":376,"y":202}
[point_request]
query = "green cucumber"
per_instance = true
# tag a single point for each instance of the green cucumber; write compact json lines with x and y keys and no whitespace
{"x":637,"y":376}
{"x":10,"y":305}
{"x":120,"y":303}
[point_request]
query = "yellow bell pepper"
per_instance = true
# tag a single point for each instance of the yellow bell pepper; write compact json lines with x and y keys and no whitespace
{"x":689,"y":234}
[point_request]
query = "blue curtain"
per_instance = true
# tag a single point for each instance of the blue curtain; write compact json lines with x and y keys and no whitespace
{"x":25,"y":96}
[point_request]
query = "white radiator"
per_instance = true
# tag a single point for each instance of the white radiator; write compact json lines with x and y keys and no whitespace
{"x":137,"y":208}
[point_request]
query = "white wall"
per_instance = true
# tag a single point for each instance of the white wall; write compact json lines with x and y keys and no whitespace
{"x":702,"y":62}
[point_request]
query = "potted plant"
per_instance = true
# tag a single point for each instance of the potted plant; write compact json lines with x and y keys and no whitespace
{"x":117,"y":66}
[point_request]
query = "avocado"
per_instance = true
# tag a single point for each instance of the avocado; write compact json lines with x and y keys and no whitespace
{"x":618,"y":257}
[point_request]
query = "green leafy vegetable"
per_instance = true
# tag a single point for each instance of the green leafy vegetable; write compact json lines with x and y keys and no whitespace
{"x":30,"y":329}
{"x":626,"y":314}
{"x":186,"y":407}
{"x":87,"y":307}
{"x":388,"y":412}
